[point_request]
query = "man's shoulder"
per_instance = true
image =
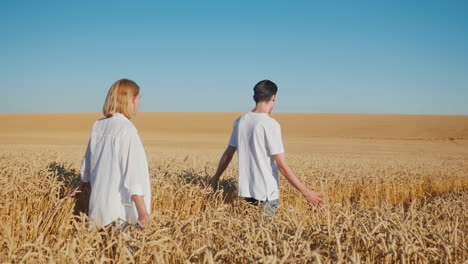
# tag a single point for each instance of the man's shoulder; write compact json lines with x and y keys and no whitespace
{"x":241,"y":118}
{"x":236,"y":122}
{"x":262,"y":120}
{"x":271,"y":122}
{"x":266,"y":124}
{"x":274,"y":121}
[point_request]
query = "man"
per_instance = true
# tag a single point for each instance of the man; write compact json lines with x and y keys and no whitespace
{"x":257,"y":138}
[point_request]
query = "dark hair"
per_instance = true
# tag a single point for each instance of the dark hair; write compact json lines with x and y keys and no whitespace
{"x":264,"y":90}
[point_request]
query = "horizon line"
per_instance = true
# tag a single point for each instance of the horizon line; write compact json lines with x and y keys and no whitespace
{"x":227,"y":112}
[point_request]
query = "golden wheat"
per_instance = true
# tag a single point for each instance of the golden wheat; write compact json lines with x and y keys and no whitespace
{"x":392,"y":208}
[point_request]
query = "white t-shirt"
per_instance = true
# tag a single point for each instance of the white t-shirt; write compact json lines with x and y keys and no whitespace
{"x":115,"y":164}
{"x":257,"y":137}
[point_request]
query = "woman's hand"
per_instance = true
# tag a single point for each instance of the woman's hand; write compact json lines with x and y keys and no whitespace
{"x":143,"y":221}
{"x":73,"y":193}
{"x":77,"y":190}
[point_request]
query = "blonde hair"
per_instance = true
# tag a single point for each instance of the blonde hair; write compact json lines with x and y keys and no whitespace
{"x":120,"y":98}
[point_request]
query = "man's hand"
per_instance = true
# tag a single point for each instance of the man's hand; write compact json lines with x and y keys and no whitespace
{"x":314,"y":198}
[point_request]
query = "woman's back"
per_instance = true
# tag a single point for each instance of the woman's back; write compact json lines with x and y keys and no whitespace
{"x":116,"y":166}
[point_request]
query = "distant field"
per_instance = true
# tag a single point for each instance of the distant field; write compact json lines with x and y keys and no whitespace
{"x":168,"y":129}
{"x":396,"y":189}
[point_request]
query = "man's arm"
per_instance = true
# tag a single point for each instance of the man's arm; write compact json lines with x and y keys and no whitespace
{"x":223,"y":164}
{"x":313,"y":198}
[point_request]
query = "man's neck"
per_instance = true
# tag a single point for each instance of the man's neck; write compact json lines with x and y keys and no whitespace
{"x":262,"y":108}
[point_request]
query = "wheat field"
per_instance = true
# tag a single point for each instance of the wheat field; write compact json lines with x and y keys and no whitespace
{"x":396,"y":189}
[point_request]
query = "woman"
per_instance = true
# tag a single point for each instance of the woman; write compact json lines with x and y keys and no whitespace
{"x":115,"y":162}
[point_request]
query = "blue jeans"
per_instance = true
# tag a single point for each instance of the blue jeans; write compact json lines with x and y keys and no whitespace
{"x":270,"y":207}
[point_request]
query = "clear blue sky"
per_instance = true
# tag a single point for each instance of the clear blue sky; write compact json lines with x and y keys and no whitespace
{"x":326,"y":56}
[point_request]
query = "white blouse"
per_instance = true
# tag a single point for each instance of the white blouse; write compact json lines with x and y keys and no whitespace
{"x":115,"y":164}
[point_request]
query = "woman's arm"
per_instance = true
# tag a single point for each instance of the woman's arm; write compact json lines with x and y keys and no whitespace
{"x":84,"y":173}
{"x":77,"y":190}
{"x":143,"y":216}
{"x":134,"y":169}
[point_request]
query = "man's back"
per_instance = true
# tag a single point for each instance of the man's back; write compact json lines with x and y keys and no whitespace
{"x":257,"y":137}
